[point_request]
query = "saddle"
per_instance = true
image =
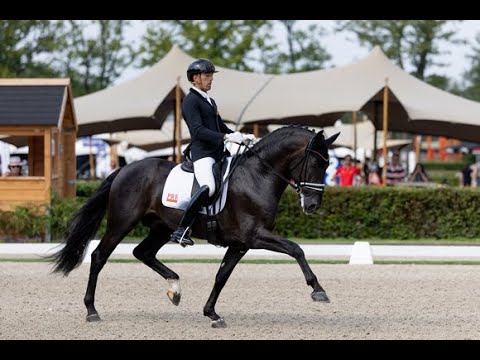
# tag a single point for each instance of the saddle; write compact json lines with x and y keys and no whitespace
{"x":219,"y":169}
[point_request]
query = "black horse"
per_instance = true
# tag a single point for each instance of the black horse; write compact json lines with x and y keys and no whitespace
{"x":292,"y":155}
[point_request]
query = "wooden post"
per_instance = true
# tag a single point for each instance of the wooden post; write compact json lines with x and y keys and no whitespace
{"x":256,"y":130}
{"x":114,"y":162}
{"x":47,"y":164}
{"x":178,"y":126}
{"x":418,"y":145}
{"x":355,"y":136}
{"x":385,"y":132}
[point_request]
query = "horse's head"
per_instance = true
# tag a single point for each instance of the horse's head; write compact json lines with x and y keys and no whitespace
{"x":310,"y":175}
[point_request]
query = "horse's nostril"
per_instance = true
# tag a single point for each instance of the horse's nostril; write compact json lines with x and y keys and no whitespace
{"x":311,"y":208}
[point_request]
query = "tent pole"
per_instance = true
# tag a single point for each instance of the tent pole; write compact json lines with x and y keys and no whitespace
{"x":418,"y":142}
{"x":385,"y":131}
{"x":256,"y":130}
{"x":355,"y":136}
{"x":178,"y":132}
{"x":374,"y":120}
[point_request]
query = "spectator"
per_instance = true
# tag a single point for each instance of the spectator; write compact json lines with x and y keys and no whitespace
{"x":14,"y":167}
{"x":347,"y":172}
{"x":372,"y":173}
{"x":418,"y":174}
{"x":467,"y":173}
{"x":395,"y":171}
{"x":476,"y":174}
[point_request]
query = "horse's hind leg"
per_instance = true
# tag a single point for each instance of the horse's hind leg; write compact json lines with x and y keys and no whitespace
{"x":116,"y":231}
{"x":267,"y":240}
{"x":230,"y":260}
{"x":146,"y":251}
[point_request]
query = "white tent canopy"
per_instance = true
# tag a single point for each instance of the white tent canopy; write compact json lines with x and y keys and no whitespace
{"x":149,"y":140}
{"x":145,"y":101}
{"x":315,"y":98}
{"x":365,"y":136}
{"x":318,"y":98}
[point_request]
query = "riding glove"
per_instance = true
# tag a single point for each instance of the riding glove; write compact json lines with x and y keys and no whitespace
{"x":235,"y":137}
{"x":248,"y":137}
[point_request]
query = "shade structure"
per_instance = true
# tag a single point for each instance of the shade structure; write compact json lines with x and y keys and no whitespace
{"x":145,"y":101}
{"x":314,"y":98}
{"x":319,"y":98}
{"x":365,"y":136}
{"x":150,"y":140}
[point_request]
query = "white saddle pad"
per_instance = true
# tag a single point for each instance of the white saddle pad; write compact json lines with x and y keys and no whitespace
{"x":178,"y":189}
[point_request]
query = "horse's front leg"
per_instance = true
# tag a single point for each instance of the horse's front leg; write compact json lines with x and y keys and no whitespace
{"x":230,"y":260}
{"x":269,"y":241}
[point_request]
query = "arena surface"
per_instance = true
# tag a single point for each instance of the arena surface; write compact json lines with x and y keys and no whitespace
{"x":260,"y":301}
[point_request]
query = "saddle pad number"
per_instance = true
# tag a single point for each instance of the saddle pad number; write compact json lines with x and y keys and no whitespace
{"x":172,"y":197}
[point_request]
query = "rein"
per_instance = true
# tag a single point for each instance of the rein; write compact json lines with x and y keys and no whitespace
{"x":297,"y":185}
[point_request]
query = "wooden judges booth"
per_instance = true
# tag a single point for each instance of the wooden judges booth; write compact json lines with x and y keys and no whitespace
{"x":39,"y":113}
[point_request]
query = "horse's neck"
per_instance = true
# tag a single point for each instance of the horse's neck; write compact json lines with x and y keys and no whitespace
{"x":282,"y":159}
{"x":278,"y":160}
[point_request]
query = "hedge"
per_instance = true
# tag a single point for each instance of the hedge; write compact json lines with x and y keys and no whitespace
{"x":357,"y":213}
{"x":384,"y":213}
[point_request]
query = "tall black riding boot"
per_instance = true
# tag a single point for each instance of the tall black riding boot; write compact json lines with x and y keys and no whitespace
{"x":182,"y":234}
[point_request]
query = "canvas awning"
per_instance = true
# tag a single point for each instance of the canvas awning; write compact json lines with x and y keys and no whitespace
{"x":318,"y":98}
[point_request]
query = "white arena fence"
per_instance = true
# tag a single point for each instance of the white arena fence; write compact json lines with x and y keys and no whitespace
{"x":361,"y":252}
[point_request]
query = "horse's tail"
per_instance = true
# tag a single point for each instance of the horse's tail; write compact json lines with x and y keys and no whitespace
{"x":82,"y":227}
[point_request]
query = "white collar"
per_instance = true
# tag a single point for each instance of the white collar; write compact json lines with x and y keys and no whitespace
{"x":203,"y":93}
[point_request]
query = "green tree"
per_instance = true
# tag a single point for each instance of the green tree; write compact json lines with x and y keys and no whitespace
{"x":27,"y":47}
{"x":471,"y":88}
{"x":96,"y":53}
{"x":228,"y":43}
{"x":304,"y":51}
{"x":409,"y":43}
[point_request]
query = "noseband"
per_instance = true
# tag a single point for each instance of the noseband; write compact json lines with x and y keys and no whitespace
{"x":299,"y":185}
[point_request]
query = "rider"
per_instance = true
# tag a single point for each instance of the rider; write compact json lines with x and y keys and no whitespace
{"x":208,"y":133}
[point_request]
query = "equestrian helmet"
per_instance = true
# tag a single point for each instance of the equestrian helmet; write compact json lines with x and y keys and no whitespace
{"x":200,"y":66}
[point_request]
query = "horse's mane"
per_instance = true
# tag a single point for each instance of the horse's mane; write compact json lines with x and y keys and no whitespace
{"x":274,"y":141}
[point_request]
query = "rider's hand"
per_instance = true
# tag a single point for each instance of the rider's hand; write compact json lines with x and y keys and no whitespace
{"x":235,"y":137}
{"x":248,"y":137}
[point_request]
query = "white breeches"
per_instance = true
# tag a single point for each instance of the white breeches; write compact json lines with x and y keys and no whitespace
{"x":204,"y":174}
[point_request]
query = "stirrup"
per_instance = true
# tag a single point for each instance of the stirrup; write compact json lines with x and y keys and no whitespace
{"x":182,"y":236}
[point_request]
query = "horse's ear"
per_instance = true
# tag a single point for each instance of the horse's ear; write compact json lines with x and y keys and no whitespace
{"x":317,"y":139}
{"x":331,"y":139}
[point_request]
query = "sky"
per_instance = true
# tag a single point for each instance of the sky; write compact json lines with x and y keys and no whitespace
{"x":344,"y":52}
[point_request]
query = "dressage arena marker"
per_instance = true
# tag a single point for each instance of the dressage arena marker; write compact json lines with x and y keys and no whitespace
{"x":361,"y":254}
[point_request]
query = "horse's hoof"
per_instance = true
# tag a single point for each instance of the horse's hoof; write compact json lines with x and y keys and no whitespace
{"x":219,"y":324}
{"x":93,"y":317}
{"x":320,"y":296}
{"x":174,"y":297}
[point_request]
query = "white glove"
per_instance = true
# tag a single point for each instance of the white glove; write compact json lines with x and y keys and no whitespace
{"x":248,"y":137}
{"x":235,"y":137}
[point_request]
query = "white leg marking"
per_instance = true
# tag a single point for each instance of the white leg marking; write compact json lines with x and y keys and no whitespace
{"x":174,"y":286}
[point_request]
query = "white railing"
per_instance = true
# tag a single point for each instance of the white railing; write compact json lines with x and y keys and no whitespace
{"x":361,"y":252}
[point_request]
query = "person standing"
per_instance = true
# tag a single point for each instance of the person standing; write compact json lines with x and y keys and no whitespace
{"x":347,"y":172}
{"x":395,"y":171}
{"x":14,"y":167}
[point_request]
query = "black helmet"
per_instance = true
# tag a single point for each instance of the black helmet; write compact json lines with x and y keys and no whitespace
{"x":200,"y":66}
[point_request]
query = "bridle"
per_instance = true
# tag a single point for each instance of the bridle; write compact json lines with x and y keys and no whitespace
{"x":298,"y":185}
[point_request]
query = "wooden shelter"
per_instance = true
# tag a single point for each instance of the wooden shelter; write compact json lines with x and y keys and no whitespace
{"x":41,"y":111}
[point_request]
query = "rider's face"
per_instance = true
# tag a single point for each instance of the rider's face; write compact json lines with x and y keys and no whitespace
{"x":203,"y":81}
